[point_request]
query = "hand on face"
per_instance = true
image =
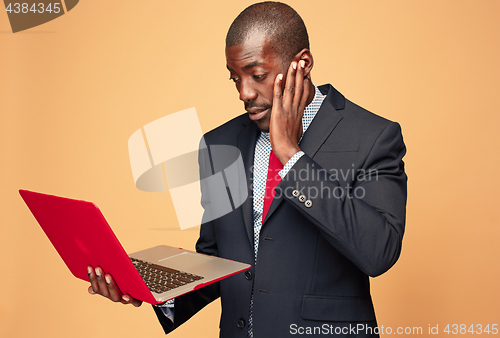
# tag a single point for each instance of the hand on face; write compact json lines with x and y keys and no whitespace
{"x":289,"y":102}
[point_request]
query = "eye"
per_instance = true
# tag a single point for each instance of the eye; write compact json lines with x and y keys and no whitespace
{"x":259,"y":77}
{"x":234,"y":79}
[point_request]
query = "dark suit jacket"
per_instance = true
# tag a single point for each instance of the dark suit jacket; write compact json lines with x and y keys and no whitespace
{"x":316,"y":252}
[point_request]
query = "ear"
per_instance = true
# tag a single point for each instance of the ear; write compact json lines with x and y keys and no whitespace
{"x":306,"y":55}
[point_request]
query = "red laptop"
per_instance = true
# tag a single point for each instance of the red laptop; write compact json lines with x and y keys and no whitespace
{"x":82,"y":237}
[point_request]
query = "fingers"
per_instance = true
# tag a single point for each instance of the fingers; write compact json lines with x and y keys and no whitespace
{"x":297,"y":88}
{"x":289,"y":92}
{"x":114,"y":292}
{"x":298,"y":94}
{"x":301,"y":89}
{"x":277,"y":90}
{"x":93,"y":281}
{"x":126,"y":299}
{"x":305,"y":92}
{"x":103,"y":288}
{"x":289,"y":101}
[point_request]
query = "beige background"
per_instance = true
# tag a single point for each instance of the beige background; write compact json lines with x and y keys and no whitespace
{"x":73,"y":90}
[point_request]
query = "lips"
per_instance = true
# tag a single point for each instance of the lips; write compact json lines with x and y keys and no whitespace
{"x":257,"y":114}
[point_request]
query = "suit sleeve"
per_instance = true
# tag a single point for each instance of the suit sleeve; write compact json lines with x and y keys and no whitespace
{"x":364,"y":221}
{"x":189,"y":304}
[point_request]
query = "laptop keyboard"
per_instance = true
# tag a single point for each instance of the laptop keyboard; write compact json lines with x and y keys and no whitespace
{"x":160,"y":279}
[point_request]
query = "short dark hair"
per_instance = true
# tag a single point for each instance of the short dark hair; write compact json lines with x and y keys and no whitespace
{"x":280,"y":22}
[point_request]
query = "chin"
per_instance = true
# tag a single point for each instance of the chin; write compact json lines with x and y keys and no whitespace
{"x":263,"y":126}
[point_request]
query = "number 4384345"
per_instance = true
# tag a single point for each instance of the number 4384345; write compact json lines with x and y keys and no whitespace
{"x":477,"y":329}
{"x":35,"y":8}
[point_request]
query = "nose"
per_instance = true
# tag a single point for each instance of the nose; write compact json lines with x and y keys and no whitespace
{"x":247,"y":93}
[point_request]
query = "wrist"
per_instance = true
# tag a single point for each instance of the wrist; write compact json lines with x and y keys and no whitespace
{"x":285,"y":154}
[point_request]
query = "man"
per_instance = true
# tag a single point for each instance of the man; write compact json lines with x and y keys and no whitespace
{"x":339,"y":210}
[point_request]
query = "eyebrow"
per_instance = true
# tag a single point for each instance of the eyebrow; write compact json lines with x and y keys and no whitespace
{"x":253,"y":64}
{"x":250,"y":65}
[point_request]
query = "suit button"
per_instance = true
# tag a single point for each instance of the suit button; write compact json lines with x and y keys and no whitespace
{"x":302,"y":198}
{"x":295,"y":193}
{"x":248,"y":275}
{"x":240,"y":323}
{"x":308,"y":204}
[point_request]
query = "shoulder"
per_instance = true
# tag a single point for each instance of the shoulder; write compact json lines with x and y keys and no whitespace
{"x":374,"y":131}
{"x":353,"y":116}
{"x":355,"y":126}
{"x":364,"y":119}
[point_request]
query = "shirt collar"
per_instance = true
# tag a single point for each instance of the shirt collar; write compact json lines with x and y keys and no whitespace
{"x":312,"y":108}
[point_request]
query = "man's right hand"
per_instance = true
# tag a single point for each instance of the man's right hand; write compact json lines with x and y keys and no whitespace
{"x":104,"y":285}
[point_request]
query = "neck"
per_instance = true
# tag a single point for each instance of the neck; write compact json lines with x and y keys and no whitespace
{"x":311,"y":93}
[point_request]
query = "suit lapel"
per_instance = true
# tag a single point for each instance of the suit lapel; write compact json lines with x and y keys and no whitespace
{"x":246,"y":143}
{"x":323,"y":123}
{"x":319,"y":130}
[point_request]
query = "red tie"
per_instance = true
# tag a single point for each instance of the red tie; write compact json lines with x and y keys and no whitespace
{"x":273,"y":179}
